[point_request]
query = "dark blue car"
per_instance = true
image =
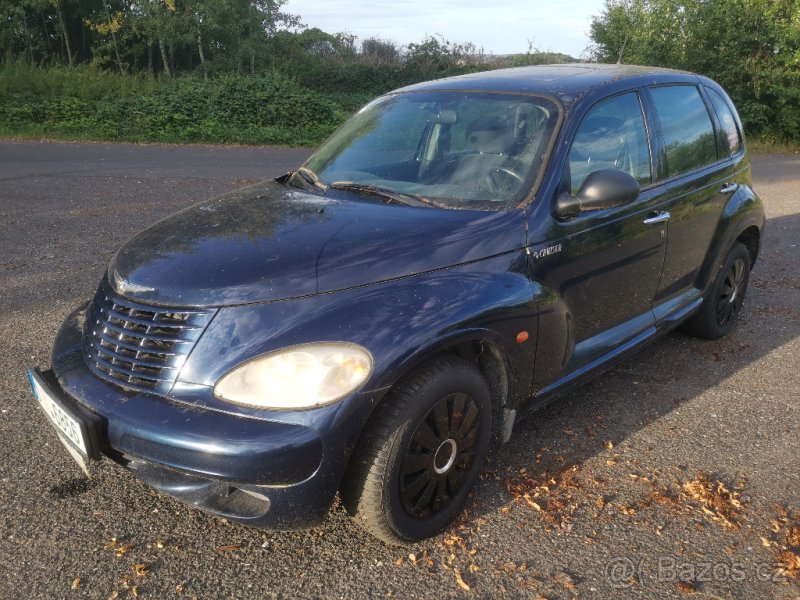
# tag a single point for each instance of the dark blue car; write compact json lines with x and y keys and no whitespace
{"x":372,"y":323}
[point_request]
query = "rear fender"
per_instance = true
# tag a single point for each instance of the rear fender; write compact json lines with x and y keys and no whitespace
{"x":743,"y":210}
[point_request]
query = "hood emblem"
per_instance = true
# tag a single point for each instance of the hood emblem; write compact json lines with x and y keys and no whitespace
{"x":123,"y":286}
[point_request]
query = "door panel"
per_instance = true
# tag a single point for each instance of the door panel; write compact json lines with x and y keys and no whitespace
{"x":604,"y":278}
{"x":696,"y":193}
{"x":695,"y":204}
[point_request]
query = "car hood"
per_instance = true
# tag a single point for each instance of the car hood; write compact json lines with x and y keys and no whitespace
{"x":269,"y":242}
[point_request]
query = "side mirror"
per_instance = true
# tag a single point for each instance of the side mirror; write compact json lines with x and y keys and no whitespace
{"x":604,"y":189}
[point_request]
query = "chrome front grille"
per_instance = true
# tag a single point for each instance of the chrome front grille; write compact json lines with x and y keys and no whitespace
{"x":137,"y":347}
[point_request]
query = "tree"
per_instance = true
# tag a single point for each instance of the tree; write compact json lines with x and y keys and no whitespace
{"x":751,"y":47}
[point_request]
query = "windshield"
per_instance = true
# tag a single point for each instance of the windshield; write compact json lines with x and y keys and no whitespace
{"x":453,"y":149}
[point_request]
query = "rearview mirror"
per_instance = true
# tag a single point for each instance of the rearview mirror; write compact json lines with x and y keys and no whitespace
{"x":601,"y":190}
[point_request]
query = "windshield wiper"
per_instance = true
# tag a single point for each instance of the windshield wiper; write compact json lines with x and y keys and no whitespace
{"x":385,"y":193}
{"x":309,"y":177}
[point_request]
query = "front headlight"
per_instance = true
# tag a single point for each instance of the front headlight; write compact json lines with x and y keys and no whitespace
{"x":299,"y":377}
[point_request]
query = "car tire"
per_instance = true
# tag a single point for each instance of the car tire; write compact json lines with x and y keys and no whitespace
{"x":723,"y":302}
{"x":420,"y":453}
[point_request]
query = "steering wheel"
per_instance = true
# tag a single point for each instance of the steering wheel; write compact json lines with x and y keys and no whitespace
{"x":502,"y":180}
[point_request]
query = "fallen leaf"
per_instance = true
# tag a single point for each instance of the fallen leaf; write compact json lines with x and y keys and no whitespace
{"x":611,"y":462}
{"x":565,"y":581}
{"x":765,"y":542}
{"x":159,"y":544}
{"x":114,"y":595}
{"x":399,"y":561}
{"x":534,"y":505}
{"x":685,"y":587}
{"x":413,"y":558}
{"x":783,"y":512}
{"x":609,"y":445}
{"x":474,"y":568}
{"x":111,"y":544}
{"x":627,"y":510}
{"x":792,"y":563}
{"x":76,"y":583}
{"x":135,"y":591}
{"x":122,"y":550}
{"x":141,"y":570}
{"x":508,"y":567}
{"x":460,"y":580}
{"x":229,"y":547}
{"x":793,"y":537}
{"x":716,"y":501}
{"x":179,"y":589}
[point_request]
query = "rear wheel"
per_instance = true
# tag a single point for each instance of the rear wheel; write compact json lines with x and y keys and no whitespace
{"x":724,"y":301}
{"x":420,"y":453}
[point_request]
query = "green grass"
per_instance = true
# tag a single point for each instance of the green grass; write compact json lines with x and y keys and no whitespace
{"x":767,"y":146}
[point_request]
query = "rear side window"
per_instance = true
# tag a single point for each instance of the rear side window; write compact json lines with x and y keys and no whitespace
{"x":729,"y":139}
{"x":611,"y":136}
{"x":686,"y":127}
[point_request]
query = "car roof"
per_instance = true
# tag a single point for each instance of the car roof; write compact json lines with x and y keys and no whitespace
{"x":564,"y":81}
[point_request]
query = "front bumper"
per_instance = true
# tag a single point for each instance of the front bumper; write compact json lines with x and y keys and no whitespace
{"x":263,"y":472}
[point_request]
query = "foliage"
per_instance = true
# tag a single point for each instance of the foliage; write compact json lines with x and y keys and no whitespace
{"x":85,"y":103}
{"x":751,"y":47}
{"x":200,"y":70}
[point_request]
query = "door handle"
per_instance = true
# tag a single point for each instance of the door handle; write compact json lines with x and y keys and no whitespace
{"x":729,"y":188}
{"x":657,"y":217}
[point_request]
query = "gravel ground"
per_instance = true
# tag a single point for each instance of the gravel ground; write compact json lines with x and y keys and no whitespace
{"x":676,"y":473}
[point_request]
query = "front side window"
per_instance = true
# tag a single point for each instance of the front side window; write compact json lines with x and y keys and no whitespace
{"x":611,"y":136}
{"x":453,"y":149}
{"x":729,"y":139}
{"x":686,"y":127}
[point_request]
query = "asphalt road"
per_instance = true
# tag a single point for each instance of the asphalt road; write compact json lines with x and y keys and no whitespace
{"x":601,"y":495}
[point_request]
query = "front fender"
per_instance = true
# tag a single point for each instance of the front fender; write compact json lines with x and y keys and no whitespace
{"x":401,"y":322}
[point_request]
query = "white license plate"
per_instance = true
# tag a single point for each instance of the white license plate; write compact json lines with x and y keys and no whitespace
{"x":68,"y":427}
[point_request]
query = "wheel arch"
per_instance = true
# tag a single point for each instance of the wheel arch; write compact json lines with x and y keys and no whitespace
{"x":742,"y":220}
{"x":750,"y":238}
{"x":485,"y":349}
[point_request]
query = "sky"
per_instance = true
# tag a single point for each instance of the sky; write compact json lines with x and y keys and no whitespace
{"x":499,"y":28}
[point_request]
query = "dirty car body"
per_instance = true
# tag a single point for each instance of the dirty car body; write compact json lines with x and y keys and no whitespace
{"x":481,"y":218}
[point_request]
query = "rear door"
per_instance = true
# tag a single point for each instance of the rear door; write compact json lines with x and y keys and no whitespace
{"x":698,"y":177}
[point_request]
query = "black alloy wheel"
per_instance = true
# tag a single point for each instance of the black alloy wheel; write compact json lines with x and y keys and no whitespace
{"x":731,"y":293}
{"x":439,"y":455}
{"x":724,"y":298}
{"x":420,"y":452}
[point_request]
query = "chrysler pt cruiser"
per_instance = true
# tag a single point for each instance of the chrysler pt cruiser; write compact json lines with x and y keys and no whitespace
{"x":372,"y":323}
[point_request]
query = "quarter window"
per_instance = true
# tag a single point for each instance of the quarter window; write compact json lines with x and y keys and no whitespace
{"x":686,"y":127}
{"x":728,"y":135}
{"x":611,"y":136}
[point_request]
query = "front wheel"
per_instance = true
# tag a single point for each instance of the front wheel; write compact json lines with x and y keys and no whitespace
{"x":724,"y":300}
{"x":420,"y":452}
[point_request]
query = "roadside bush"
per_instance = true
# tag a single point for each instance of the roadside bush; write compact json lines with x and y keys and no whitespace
{"x":89,"y":104}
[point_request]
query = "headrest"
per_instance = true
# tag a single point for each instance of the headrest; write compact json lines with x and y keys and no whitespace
{"x":447,"y":116}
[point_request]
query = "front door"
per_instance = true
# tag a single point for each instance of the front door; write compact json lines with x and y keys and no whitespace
{"x":609,"y":262}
